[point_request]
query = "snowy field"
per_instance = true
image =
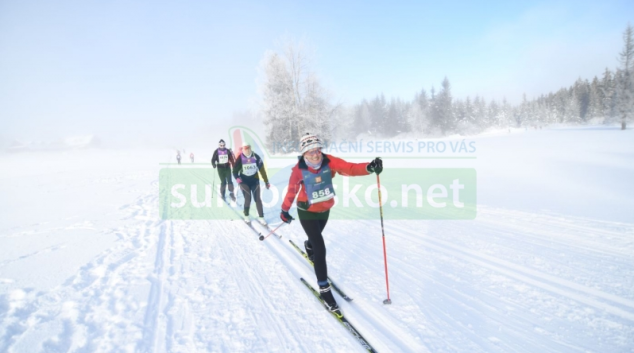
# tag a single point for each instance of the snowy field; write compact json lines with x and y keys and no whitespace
{"x":87,"y":265}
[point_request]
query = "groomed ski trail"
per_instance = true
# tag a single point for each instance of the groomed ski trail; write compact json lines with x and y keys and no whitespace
{"x":382,"y":331}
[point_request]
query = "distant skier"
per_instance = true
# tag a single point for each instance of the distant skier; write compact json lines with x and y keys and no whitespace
{"x":311,"y":182}
{"x":178,"y":157}
{"x":223,"y":159}
{"x":245,"y":170}
{"x":191,"y":156}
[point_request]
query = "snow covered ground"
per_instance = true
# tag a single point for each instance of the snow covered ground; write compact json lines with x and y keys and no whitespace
{"x":87,"y":265}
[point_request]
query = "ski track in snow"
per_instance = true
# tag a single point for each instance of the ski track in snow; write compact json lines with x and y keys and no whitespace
{"x":510,"y":277}
{"x":171,"y":286}
{"x":508,"y":281}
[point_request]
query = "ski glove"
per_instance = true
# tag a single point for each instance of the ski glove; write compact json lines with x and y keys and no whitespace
{"x":286,"y":217}
{"x":268,"y":186}
{"x":239,"y":180}
{"x":376,"y":166}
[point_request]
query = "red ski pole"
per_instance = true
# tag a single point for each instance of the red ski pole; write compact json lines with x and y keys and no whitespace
{"x":262,"y":237}
{"x":387,"y":282}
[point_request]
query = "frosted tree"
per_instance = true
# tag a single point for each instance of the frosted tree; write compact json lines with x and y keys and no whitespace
{"x":522,"y":114}
{"x":560,"y":101}
{"x":293,"y":100}
{"x":540,"y":109}
{"x":469,"y":114}
{"x":391,"y":125}
{"x":582,"y":92}
{"x":396,"y":118}
{"x":317,"y":110}
{"x":594,"y":99}
{"x":572,"y":110}
{"x":378,"y":115}
{"x":465,"y":117}
{"x":625,"y":83}
{"x":415,"y":118}
{"x":506,"y":112}
{"x":341,"y":123}
{"x":479,"y":112}
{"x":553,"y":109}
{"x":362,"y":118}
{"x":493,"y":112}
{"x":278,"y":108}
{"x":460,"y":114}
{"x":442,"y":112}
{"x":607,"y":93}
{"x":418,"y":114}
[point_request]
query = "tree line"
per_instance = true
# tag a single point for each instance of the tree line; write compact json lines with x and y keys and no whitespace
{"x":294,"y":102}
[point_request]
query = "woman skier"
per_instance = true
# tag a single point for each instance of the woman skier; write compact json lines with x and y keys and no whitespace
{"x":245,"y":170}
{"x":311,"y":183}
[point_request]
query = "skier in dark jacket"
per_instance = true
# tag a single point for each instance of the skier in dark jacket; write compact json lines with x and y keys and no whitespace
{"x":245,"y":170}
{"x":224,"y":160}
{"x":311,"y":183}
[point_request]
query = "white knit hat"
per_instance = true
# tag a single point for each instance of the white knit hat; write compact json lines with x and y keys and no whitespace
{"x":308,"y":142}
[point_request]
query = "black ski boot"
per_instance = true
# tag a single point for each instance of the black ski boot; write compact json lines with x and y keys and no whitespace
{"x":326,"y":294}
{"x":309,"y":251}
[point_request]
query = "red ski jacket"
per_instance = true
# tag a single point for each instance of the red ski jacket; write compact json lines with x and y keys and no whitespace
{"x":295,"y":188}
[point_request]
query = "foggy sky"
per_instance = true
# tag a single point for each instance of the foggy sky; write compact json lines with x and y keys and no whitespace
{"x":171,"y":71}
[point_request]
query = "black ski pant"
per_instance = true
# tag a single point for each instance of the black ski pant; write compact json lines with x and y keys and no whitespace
{"x":314,"y":224}
{"x":225,"y":179}
{"x":248,"y":188}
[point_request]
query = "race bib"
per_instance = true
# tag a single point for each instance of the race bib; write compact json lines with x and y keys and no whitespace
{"x":318,"y":186}
{"x":249,"y":165}
{"x":223,"y":158}
{"x":249,"y":169}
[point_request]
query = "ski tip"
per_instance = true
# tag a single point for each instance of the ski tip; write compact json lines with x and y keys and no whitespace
{"x":348,"y":299}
